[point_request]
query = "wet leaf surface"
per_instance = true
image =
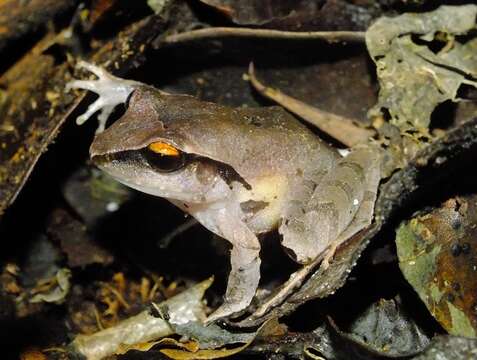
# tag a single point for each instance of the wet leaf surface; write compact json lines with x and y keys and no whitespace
{"x":437,"y":256}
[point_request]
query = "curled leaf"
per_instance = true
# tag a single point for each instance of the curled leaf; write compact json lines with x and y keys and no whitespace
{"x":414,"y":78}
{"x":58,"y":288}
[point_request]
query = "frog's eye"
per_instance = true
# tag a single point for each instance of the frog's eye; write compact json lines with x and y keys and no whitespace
{"x":164,"y":157}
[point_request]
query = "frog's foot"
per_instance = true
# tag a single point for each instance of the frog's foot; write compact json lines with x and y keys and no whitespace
{"x":295,"y":281}
{"x":242,"y":283}
{"x":112,"y":91}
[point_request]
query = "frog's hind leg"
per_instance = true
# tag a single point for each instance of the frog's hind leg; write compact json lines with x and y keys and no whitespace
{"x":370,"y":159}
{"x":341,"y":205}
{"x":339,"y":208}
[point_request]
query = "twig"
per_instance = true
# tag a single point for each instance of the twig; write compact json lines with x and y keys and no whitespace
{"x":221,"y":32}
{"x":295,"y":280}
{"x":166,"y":239}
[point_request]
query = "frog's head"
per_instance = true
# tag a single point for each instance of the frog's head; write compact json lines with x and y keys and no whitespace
{"x":159,"y":146}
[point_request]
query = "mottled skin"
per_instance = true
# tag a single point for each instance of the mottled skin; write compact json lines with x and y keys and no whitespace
{"x":245,"y":171}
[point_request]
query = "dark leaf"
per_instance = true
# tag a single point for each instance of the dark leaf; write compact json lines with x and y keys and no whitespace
{"x":416,"y":75}
{"x":303,"y":15}
{"x":21,"y":18}
{"x":75,"y":242}
{"x":385,"y":328}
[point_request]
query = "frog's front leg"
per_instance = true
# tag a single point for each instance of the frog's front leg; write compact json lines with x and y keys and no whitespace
{"x":242,"y":283}
{"x":226,"y":221}
{"x":112,"y":91}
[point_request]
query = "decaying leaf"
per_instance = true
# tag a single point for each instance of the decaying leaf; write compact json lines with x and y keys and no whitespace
{"x":383,"y":331}
{"x":179,"y":354}
{"x":213,"y":341}
{"x":190,"y":346}
{"x":413,"y":78}
{"x":437,"y":257}
{"x":211,"y":336}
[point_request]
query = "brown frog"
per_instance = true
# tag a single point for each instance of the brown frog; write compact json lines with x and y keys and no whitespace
{"x":240,"y":172}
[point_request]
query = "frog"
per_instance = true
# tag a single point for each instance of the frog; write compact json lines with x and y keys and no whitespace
{"x":240,"y":172}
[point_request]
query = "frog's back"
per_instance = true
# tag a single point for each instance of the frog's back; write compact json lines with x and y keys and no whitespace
{"x":252,"y":140}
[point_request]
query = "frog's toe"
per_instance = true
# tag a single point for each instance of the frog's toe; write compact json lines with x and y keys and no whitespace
{"x":225,"y":310}
{"x":103,"y":118}
{"x":81,"y":84}
{"x":112,"y":91}
{"x":328,"y":257}
{"x":97,"y":70}
{"x":97,"y":105}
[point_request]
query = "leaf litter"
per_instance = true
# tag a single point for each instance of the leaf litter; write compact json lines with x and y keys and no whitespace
{"x":450,"y":67}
